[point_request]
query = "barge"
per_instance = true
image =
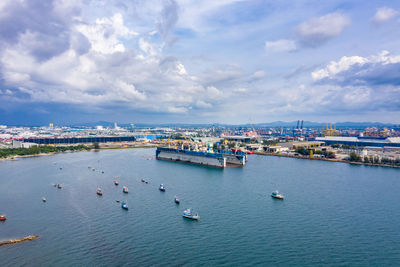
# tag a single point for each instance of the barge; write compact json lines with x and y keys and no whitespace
{"x":216,"y":159}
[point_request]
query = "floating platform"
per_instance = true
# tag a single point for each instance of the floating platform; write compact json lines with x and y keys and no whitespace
{"x":203,"y":158}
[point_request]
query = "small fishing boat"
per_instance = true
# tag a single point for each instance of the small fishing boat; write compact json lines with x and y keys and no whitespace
{"x":117,"y":201}
{"x":99,"y":192}
{"x":59,"y":186}
{"x":125,"y":189}
{"x":60,"y":168}
{"x":162,"y":188}
{"x":44,"y":199}
{"x":55,"y":185}
{"x":189,"y":214}
{"x":177,"y":201}
{"x":102,"y":171}
{"x":124,"y":205}
{"x":3,"y":218}
{"x":143,"y":180}
{"x":276,"y":195}
{"x":93,"y":169}
{"x":116,"y":182}
{"x":146,"y":182}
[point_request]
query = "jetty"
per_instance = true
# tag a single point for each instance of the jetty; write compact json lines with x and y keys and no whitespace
{"x":19,"y":240}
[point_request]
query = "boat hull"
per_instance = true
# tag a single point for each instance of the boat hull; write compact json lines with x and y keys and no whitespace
{"x":191,"y":217}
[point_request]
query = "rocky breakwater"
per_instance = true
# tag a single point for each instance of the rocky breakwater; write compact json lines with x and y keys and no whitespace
{"x":19,"y":240}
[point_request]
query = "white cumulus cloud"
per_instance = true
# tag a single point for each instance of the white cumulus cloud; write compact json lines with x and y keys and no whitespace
{"x":334,"y":67}
{"x":346,"y":63}
{"x":105,"y":33}
{"x":384,"y":14}
{"x":317,"y":31}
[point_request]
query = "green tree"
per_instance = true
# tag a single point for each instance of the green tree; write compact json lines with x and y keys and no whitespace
{"x":354,"y":157}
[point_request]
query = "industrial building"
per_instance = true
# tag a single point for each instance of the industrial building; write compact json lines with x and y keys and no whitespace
{"x":361,"y":141}
{"x":77,"y":140}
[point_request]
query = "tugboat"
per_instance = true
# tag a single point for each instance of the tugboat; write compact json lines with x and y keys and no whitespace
{"x":124,"y":205}
{"x":44,"y":199}
{"x":125,"y":189}
{"x":177,"y":201}
{"x":188,"y":213}
{"x":116,"y":182}
{"x":162,"y":188}
{"x":99,"y":192}
{"x":276,"y":195}
{"x":3,"y":218}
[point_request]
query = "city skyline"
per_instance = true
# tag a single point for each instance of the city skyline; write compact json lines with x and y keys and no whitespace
{"x":230,"y":62}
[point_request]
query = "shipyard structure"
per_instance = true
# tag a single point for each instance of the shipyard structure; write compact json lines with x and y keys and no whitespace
{"x":217,"y":159}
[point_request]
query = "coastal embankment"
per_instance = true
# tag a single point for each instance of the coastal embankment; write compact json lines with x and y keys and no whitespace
{"x":326,"y":159}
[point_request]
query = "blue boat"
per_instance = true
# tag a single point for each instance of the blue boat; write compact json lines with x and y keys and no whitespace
{"x":189,"y":214}
{"x":124,"y":205}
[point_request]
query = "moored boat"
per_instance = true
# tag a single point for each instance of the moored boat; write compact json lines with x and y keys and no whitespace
{"x":124,"y":205}
{"x":162,"y":188}
{"x":276,"y":195}
{"x":3,"y":218}
{"x":189,"y":214}
{"x":99,"y":192}
{"x":125,"y":189}
{"x":177,"y":201}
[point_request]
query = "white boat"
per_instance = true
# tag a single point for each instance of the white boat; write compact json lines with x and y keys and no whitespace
{"x":99,"y":192}
{"x":162,"y":188}
{"x":189,"y":214}
{"x":276,"y":195}
{"x":44,"y":199}
{"x":177,"y":201}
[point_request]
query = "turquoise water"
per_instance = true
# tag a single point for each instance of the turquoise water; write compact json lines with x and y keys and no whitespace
{"x":334,"y":214}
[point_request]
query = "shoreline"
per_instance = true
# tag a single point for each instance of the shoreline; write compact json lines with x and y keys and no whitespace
{"x":325,"y":159}
{"x":18,"y":157}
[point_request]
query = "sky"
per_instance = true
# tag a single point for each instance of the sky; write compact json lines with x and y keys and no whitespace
{"x":176,"y":61}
